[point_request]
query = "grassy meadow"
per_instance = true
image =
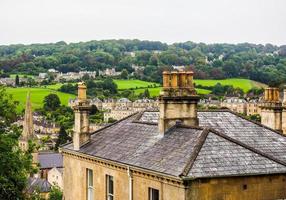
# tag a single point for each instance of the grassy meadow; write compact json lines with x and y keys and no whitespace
{"x":244,"y":84}
{"x":128,"y":84}
{"x":37,"y":96}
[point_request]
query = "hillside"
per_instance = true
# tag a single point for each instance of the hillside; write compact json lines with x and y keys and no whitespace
{"x":37,"y":96}
{"x":263,"y":63}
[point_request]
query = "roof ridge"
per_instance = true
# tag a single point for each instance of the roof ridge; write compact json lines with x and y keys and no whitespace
{"x":220,"y":134}
{"x":195,"y":153}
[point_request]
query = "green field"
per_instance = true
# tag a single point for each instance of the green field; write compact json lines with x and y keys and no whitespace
{"x":21,"y":75}
{"x":37,"y":96}
{"x":244,"y":84}
{"x":128,"y":84}
{"x":54,"y":86}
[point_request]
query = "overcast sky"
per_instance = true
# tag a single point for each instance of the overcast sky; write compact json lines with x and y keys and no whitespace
{"x":209,"y":21}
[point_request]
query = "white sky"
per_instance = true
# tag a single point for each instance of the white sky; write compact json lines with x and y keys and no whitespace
{"x":209,"y":21}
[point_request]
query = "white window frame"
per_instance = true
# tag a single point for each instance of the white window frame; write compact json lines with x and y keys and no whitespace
{"x":109,"y":195}
{"x":89,"y":182}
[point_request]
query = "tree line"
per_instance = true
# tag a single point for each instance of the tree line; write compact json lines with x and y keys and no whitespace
{"x":264,"y":63}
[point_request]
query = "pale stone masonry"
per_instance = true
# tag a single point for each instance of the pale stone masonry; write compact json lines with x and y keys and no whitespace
{"x":273,"y":110}
{"x":81,"y":126}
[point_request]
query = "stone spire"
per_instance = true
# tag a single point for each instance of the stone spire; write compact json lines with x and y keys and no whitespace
{"x":28,"y":129}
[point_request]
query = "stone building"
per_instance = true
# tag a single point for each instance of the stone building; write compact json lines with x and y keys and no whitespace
{"x":178,"y":153}
{"x":235,"y":104}
{"x":47,"y":161}
{"x":253,"y":107}
{"x":124,"y":107}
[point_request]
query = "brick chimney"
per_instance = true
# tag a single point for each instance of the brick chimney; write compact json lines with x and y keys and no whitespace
{"x":271,"y":109}
{"x":178,"y":100}
{"x":81,"y":121}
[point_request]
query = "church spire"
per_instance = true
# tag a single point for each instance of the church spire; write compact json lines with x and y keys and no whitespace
{"x":28,"y":129}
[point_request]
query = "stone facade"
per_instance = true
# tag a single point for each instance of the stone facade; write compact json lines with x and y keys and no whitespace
{"x":243,"y":188}
{"x":76,"y":187}
{"x":267,"y":187}
{"x":235,"y":104}
{"x":253,"y":107}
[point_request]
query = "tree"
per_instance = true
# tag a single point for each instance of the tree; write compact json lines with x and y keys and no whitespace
{"x":17,"y":80}
{"x":146,"y":93}
{"x":63,"y":138}
{"x":15,"y":165}
{"x":51,"y":102}
{"x":56,"y":193}
{"x":124,"y":74}
{"x":93,"y":110}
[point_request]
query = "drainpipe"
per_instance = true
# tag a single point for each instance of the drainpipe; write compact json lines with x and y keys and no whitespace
{"x":130,"y":183}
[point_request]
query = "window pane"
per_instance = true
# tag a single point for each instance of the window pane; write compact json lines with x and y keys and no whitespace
{"x":90,"y":177}
{"x":153,"y":194}
{"x":89,"y":181}
{"x":110,"y":184}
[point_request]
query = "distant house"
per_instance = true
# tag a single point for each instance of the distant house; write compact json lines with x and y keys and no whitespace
{"x":55,"y":177}
{"x":43,"y":75}
{"x":53,"y":71}
{"x":49,"y":160}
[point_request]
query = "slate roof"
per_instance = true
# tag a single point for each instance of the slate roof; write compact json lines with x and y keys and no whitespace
{"x":49,"y":160}
{"x":38,"y":184}
{"x":225,"y":144}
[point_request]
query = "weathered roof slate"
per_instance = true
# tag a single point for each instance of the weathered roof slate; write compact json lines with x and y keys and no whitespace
{"x":221,"y":157}
{"x":245,"y":131}
{"x":224,"y":145}
{"x":38,"y":184}
{"x":49,"y":160}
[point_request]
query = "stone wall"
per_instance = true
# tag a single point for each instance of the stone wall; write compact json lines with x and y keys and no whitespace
{"x":268,"y":187}
{"x":75,"y":181}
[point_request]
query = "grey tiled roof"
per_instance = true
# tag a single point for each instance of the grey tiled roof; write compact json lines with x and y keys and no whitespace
{"x":247,"y":132}
{"x":220,"y":157}
{"x":224,"y":145}
{"x":39,"y":185}
{"x":50,"y":160}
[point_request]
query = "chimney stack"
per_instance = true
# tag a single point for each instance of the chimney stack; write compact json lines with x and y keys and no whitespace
{"x":81,"y":121}
{"x":178,"y":100}
{"x":271,"y":109}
